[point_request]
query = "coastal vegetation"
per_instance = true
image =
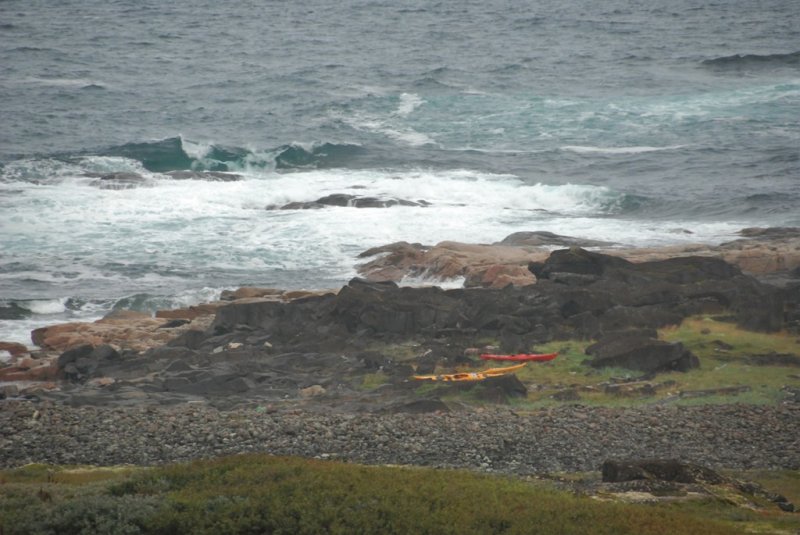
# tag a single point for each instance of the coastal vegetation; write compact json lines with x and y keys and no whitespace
{"x":736,"y":366}
{"x":267,"y":494}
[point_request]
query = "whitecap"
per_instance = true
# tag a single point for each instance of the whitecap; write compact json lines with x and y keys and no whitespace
{"x":49,"y":306}
{"x":581,"y":149}
{"x":195,"y":149}
{"x":408,"y":103}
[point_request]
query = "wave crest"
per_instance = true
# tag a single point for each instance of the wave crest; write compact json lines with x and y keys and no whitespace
{"x":179,"y":154}
{"x":752,"y":60}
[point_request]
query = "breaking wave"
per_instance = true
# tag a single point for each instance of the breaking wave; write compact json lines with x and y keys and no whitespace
{"x":178,"y":154}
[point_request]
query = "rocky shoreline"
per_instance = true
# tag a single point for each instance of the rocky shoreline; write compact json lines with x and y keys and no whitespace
{"x":289,"y":372}
{"x":562,"y":439}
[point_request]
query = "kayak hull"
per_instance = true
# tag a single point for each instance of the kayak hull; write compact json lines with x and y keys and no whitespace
{"x":522,"y":357}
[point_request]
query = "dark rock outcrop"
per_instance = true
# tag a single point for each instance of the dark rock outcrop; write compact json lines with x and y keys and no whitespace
{"x":499,"y":389}
{"x":270,"y":348}
{"x":638,"y":350}
{"x":343,"y":199}
{"x":212,"y":176}
{"x":772,"y":254}
{"x":684,"y":285}
{"x":117,"y":180}
{"x":540,"y":238}
{"x":616,"y":471}
{"x":82,"y":362}
{"x":611,"y":294}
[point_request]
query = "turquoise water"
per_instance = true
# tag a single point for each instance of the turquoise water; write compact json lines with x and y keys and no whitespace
{"x":621,"y":121}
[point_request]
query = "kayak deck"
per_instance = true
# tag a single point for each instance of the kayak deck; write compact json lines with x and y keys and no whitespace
{"x":524,"y":357}
{"x":471,"y":376}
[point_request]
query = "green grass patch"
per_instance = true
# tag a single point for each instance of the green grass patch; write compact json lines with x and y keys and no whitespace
{"x":264,"y":494}
{"x":403,"y":352}
{"x":73,"y":475}
{"x":371,"y":381}
{"x":699,"y":334}
{"x":733,"y":361}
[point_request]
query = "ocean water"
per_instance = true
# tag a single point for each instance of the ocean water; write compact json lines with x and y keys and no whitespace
{"x":642,"y":123}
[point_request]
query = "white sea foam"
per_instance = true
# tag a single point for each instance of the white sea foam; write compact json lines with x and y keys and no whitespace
{"x":62,"y":82}
{"x":186,"y":240}
{"x":390,"y":128}
{"x":50,"y":306}
{"x":195,"y":149}
{"x":408,"y":103}
{"x":447,"y":284}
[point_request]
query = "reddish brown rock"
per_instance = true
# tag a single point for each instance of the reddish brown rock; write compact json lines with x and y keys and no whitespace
{"x":192,"y":312}
{"x":451,"y":260}
{"x":13,"y":348}
{"x":393,"y":262}
{"x":133,"y":331}
{"x":301,"y":294}
{"x":45,"y":372}
{"x":250,"y":291}
{"x":760,"y":251}
{"x":500,"y":276}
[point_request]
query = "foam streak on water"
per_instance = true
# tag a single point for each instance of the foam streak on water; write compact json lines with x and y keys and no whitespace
{"x":637,"y":123}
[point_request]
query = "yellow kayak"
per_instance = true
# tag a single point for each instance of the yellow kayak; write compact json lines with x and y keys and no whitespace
{"x":471,"y":376}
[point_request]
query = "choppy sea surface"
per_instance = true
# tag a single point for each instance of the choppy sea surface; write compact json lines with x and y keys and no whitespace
{"x":643,"y":123}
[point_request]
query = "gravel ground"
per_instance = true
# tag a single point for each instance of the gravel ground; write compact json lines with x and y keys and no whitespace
{"x":570,"y":438}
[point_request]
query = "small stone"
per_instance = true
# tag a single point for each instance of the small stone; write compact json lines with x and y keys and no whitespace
{"x":312,"y":391}
{"x":102,"y":381}
{"x":235,"y":345}
{"x":219,"y":349}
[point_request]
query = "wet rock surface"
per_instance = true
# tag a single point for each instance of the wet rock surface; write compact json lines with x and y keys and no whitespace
{"x":283,"y":372}
{"x":263,"y":347}
{"x":770,"y":253}
{"x":347,"y":200}
{"x":211,"y":176}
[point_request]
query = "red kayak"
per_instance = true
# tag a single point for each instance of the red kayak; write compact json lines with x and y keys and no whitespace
{"x":540,"y":357}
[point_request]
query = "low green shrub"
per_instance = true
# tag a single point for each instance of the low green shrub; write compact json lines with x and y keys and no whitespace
{"x":261,"y":494}
{"x":85,"y":515}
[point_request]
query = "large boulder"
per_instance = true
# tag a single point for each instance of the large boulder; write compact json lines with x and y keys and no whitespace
{"x":499,"y":389}
{"x":684,"y":285}
{"x":478,"y":264}
{"x":14,"y":349}
{"x":617,"y":471}
{"x":639,"y":350}
{"x":82,"y":362}
{"x":541,"y":238}
{"x":347,"y":200}
{"x":124,"y":329}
